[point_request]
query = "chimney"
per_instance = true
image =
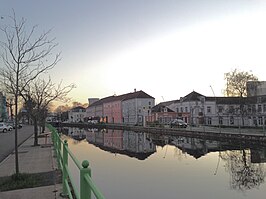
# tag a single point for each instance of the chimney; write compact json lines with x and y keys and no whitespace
{"x":135,"y":90}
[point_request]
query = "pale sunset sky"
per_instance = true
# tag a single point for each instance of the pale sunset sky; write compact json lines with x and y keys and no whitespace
{"x":166,"y":48}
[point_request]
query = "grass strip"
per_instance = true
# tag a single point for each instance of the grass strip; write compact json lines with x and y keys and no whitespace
{"x":26,"y":180}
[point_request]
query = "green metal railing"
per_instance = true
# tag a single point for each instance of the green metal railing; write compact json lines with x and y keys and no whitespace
{"x":87,"y":187}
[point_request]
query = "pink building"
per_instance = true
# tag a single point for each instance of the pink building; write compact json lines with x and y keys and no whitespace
{"x":113,"y":111}
{"x":130,"y":108}
{"x":114,"y":139}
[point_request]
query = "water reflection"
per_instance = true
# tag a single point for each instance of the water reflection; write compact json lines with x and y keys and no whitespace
{"x":243,"y":162}
{"x":244,"y":172}
{"x":129,"y":143}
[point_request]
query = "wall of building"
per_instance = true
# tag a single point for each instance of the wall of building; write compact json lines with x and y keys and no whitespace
{"x":135,"y":111}
{"x":77,"y":115}
{"x":113,"y":111}
{"x":256,"y":88}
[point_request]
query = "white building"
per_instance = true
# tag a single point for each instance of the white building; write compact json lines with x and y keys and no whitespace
{"x":136,"y":107}
{"x":197,"y":109}
{"x":77,"y":114}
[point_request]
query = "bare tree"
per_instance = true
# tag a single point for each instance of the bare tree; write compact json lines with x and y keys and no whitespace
{"x":38,"y":96}
{"x":25,"y":55}
{"x":236,"y":86}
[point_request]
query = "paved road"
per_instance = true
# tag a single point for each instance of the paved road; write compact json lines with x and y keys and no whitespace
{"x":7,"y":140}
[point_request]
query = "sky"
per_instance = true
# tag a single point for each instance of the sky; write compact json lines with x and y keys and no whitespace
{"x":167,"y":48}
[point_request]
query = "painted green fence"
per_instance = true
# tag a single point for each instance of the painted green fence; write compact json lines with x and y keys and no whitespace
{"x":87,"y":187}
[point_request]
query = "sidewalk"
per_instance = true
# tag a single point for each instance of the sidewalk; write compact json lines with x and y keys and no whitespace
{"x":33,"y":160}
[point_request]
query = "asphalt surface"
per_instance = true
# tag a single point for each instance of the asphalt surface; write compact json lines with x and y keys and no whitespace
{"x":7,"y":140}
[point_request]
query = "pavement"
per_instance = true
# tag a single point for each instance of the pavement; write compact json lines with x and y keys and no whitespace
{"x":36,"y":159}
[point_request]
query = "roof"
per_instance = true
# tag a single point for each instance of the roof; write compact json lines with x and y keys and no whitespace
{"x":103,"y":100}
{"x":193,"y":96}
{"x":158,"y":107}
{"x":128,"y":96}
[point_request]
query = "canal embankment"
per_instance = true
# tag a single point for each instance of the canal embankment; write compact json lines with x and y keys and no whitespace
{"x":206,"y":132}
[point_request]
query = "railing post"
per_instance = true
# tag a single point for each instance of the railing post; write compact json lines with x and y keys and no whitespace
{"x":55,"y":142}
{"x":59,"y":155}
{"x":64,"y":169}
{"x":85,"y":189}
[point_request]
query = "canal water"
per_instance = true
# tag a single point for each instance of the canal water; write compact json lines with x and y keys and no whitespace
{"x":130,"y":165}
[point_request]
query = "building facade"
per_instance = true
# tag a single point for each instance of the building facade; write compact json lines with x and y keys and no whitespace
{"x":77,"y":114}
{"x":197,"y":109}
{"x":130,"y":108}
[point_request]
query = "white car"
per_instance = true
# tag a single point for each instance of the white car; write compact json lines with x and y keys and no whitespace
{"x":3,"y":127}
{"x":9,"y":127}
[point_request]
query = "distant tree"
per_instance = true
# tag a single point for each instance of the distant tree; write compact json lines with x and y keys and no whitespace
{"x":62,"y":108}
{"x":25,"y":56}
{"x":76,"y":104}
{"x":236,"y":86}
{"x":236,"y":83}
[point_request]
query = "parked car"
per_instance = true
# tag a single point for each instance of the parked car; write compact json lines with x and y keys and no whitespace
{"x":3,"y":127}
{"x":92,"y":121}
{"x":12,"y":124}
{"x":9,"y":127}
{"x":178,"y":123}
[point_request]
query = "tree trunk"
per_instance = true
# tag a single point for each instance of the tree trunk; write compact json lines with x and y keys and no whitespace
{"x":35,"y":132}
{"x":16,"y":135}
{"x":43,"y":127}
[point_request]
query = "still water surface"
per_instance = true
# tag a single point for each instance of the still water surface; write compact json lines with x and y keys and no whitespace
{"x":130,"y":165}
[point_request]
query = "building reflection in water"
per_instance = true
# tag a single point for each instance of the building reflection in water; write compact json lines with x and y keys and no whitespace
{"x":129,"y":143}
{"x":244,"y":163}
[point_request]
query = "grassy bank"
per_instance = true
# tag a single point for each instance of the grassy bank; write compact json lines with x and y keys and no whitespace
{"x":26,"y":180}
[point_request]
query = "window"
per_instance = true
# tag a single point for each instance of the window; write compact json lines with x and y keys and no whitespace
{"x":259,"y":100}
{"x":259,"y":108}
{"x":249,"y":109}
{"x":255,"y":121}
{"x":253,"y":108}
{"x":231,"y":120}
{"x":231,"y":109}
{"x":208,"y":109}
{"x":186,"y":109}
{"x":220,"y":120}
{"x":177,"y":109}
{"x":264,"y":108}
{"x":209,"y":120}
{"x":181,"y":109}
{"x":220,"y":109}
{"x":260,"y":121}
{"x":149,"y":103}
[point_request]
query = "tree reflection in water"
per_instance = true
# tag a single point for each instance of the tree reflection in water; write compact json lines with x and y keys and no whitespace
{"x":244,"y":174}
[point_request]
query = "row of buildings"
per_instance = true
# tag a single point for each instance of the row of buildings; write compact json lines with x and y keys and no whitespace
{"x":138,"y":108}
